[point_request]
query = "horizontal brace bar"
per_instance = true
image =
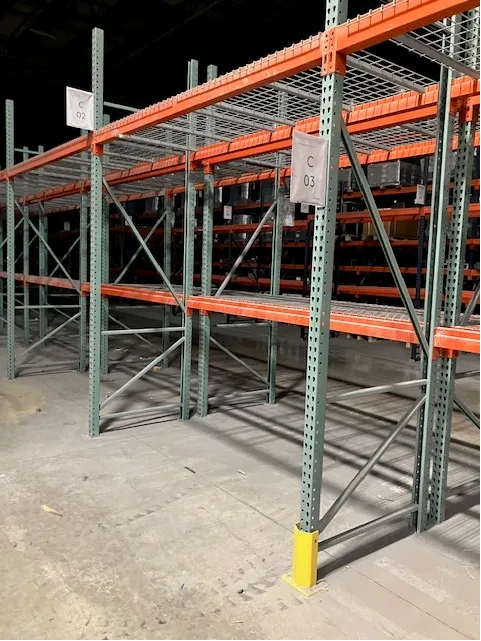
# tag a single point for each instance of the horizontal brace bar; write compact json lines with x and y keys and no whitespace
{"x":380,"y":389}
{"x":151,"y":142}
{"x":140,"y":412}
{"x":438,"y":56}
{"x":298,"y":93}
{"x":377,"y":72}
{"x":147,"y":330}
{"x":236,"y":395}
{"x":143,"y":371}
{"x":471,"y":372}
{"x":47,"y":306}
{"x":133,"y":307}
{"x":31,"y":152}
{"x":48,"y":364}
{"x":232,"y":325}
{"x":169,"y":127}
{"x":259,"y":115}
{"x":366,"y":527}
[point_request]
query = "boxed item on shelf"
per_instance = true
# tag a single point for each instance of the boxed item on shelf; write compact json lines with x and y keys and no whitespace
{"x":347,"y":180}
{"x":393,"y":174}
{"x":407,"y":229}
{"x":242,"y":219}
{"x":295,"y":235}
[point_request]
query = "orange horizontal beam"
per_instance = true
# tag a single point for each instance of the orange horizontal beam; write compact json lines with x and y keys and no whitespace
{"x":48,"y":157}
{"x":402,"y":108}
{"x":401,"y":214}
{"x":288,"y":62}
{"x":379,"y":269}
{"x":31,"y":279}
{"x":471,"y":242}
{"x":461,"y":339}
{"x":448,"y":338}
{"x":370,"y":291}
{"x":394,"y":19}
{"x":408,"y":189}
{"x":386,"y":112}
{"x":452,"y":338}
{"x":147,"y":294}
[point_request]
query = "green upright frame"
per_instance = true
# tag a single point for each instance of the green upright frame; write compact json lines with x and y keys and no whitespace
{"x":306,"y":532}
{"x":169,"y":217}
{"x":42,"y":269}
{"x":433,"y":442}
{"x":276,"y":256}
{"x":9,"y":157}
{"x":97,"y":235}
{"x":105,"y":270}
{"x":2,"y":292}
{"x":26,"y":266}
{"x":206,"y":277}
{"x":188,"y":262}
{"x":83,"y":278}
{"x":321,"y":289}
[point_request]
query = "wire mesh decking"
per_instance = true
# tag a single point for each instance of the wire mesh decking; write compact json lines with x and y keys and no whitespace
{"x":243,"y":122}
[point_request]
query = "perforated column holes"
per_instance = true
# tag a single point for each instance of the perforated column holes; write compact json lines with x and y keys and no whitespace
{"x":459,"y":224}
{"x":204,"y":321}
{"x":442,"y":435}
{"x":321,"y":283}
{"x":9,"y":122}
{"x":452,"y":309}
{"x":188,"y":258}
{"x":96,"y":223}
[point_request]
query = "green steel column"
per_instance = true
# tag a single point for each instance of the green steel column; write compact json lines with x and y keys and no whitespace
{"x":167,"y":265}
{"x":321,"y":286}
{"x":26,"y":267}
{"x":83,"y":267}
{"x":206,"y":275}
{"x":96,"y":236}
{"x":188,"y":263}
{"x":9,"y":133}
{"x":206,"y":290}
{"x":275,"y":287}
{"x":42,"y":269}
{"x":306,"y":532}
{"x":2,"y":289}
{"x":433,"y":297}
{"x":443,"y":370}
{"x":276,"y":255}
{"x":104,"y":339}
{"x":83,"y":277}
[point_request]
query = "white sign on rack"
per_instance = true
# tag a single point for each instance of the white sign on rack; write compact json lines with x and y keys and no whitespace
{"x":308,"y":169}
{"x":80,"y":109}
{"x":227,"y":212}
{"x":420,"y":195}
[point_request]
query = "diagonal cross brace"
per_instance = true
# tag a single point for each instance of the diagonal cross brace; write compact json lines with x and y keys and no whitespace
{"x":139,"y":249}
{"x":252,"y":240}
{"x":383,"y":237}
{"x":72,"y":246}
{"x":141,"y":241}
{"x":52,"y":254}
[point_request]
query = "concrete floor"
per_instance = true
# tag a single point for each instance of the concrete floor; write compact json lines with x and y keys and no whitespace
{"x":175,"y":529}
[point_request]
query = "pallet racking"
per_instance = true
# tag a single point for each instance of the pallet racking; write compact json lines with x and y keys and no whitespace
{"x":250,"y":115}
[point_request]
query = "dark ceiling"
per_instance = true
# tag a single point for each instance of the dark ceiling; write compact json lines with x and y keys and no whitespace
{"x":45,"y":45}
